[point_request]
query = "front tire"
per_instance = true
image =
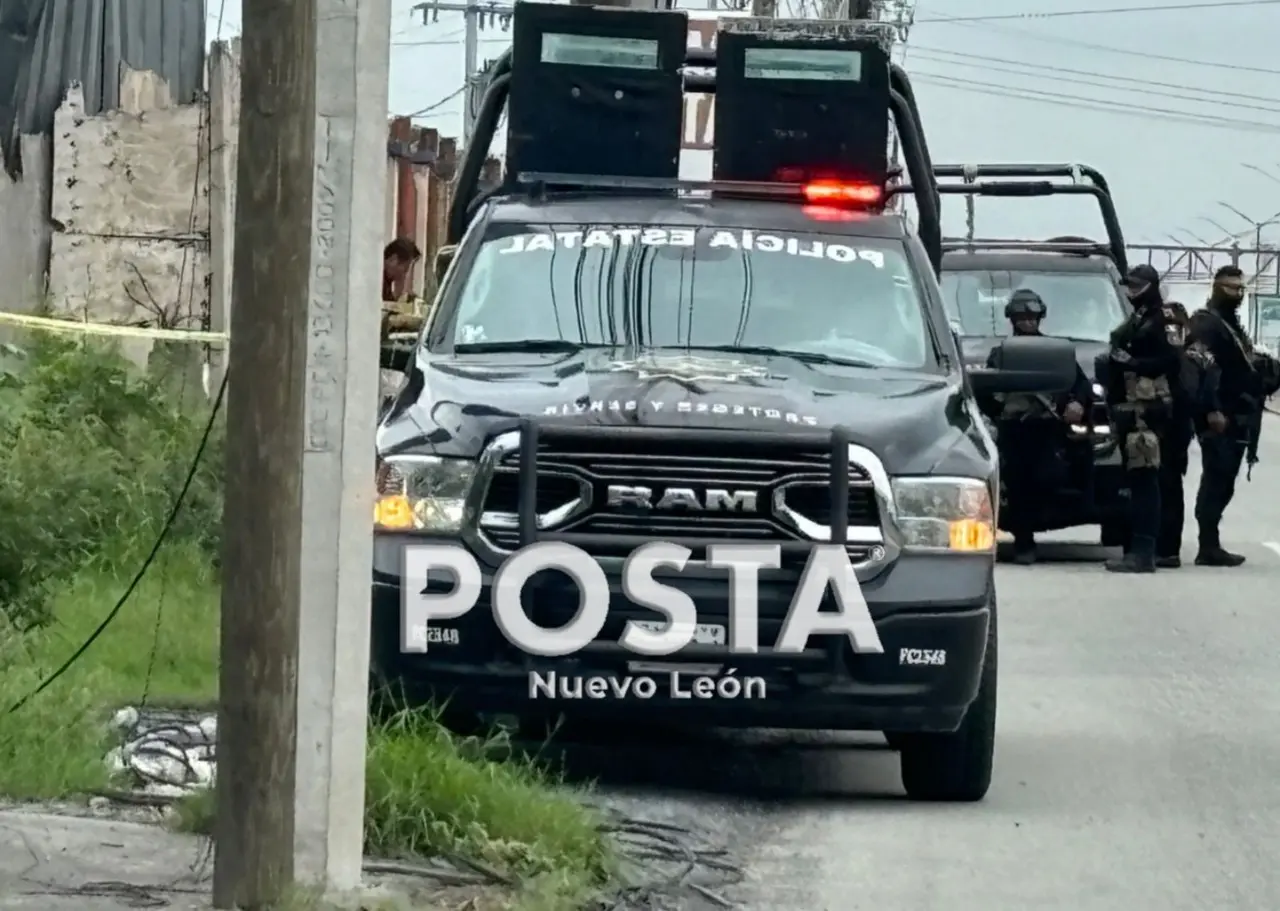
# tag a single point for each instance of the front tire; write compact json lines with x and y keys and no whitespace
{"x":956,"y":767}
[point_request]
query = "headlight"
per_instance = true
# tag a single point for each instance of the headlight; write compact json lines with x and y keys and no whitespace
{"x":953,"y":514}
{"x":422,"y":493}
{"x":1099,"y":391}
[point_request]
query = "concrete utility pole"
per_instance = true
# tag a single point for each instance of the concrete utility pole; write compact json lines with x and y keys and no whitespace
{"x":301,"y":415}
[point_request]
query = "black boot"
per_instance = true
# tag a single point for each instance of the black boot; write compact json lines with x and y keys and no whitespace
{"x":1212,"y":553}
{"x":1141,"y":557}
{"x":1024,"y":550}
{"x":1171,"y":562}
{"x":1217,"y":556}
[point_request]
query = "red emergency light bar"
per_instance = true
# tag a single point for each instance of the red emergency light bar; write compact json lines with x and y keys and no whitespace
{"x":839,"y":193}
{"x":835,"y":198}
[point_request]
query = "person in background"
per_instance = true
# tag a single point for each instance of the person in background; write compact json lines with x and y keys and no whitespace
{"x":1245,"y":377}
{"x":1029,"y":432}
{"x":398,"y":259}
{"x":1141,"y":371}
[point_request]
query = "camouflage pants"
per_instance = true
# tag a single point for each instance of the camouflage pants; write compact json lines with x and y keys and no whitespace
{"x":1138,"y":419}
{"x":1141,"y":446}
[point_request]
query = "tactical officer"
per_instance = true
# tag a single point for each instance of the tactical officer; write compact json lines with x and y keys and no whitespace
{"x":1029,"y":432}
{"x":1190,"y":400}
{"x":1229,"y":429}
{"x":1141,"y":372}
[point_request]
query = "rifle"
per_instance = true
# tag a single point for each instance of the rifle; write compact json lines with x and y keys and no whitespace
{"x":1267,"y":380}
{"x":1253,"y":433}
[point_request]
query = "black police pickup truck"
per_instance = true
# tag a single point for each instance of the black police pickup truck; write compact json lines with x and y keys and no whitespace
{"x":624,"y":357}
{"x":1078,"y":280}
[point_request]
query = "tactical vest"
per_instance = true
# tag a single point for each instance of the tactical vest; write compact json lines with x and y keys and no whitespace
{"x":1176,"y":332}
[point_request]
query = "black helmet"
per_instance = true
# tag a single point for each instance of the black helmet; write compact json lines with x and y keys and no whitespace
{"x":1025,"y":304}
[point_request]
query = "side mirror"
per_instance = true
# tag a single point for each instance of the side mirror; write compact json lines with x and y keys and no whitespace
{"x":444,"y":256}
{"x":1027,"y":364}
{"x":396,"y":357}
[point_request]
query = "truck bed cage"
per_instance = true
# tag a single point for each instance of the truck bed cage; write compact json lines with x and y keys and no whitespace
{"x":993,"y":245}
{"x":1019,"y":180}
{"x":469,"y":196}
{"x":1075,"y":172}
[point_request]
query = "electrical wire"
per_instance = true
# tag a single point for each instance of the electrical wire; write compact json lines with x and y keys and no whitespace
{"x":1144,"y":55}
{"x":1093,"y":104}
{"x":146,"y":564}
{"x":439,"y":104}
{"x":204,"y":145}
{"x":435,"y":42}
{"x":203,"y":136}
{"x":986,"y":62}
{"x":1180,"y":96}
{"x":1104,"y":11}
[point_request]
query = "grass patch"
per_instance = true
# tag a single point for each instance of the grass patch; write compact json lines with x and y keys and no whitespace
{"x":431,"y":793}
{"x":92,"y":455}
{"x":53,"y":747}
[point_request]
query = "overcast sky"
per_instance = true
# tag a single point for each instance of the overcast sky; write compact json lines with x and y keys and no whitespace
{"x":1130,"y":92}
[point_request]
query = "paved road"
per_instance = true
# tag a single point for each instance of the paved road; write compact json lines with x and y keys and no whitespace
{"x":1138,"y":759}
{"x":1138,"y":766}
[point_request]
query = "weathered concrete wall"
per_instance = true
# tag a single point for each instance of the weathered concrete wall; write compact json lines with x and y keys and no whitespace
{"x":24,"y":228}
{"x":130,"y":209}
{"x":141,"y":205}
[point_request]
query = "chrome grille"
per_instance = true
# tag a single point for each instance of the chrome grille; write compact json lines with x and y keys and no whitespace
{"x":792,"y":492}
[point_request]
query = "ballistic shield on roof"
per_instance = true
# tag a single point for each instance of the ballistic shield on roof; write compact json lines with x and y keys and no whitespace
{"x":591,"y":109}
{"x":800,"y":100}
{"x":595,"y":90}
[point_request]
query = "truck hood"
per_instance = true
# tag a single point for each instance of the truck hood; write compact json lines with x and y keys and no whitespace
{"x":916,"y":422}
{"x":976,"y":348}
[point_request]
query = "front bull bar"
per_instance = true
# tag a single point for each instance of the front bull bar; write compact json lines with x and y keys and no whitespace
{"x":815,"y":666}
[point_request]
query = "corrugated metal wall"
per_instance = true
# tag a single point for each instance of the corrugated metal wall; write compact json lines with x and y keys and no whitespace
{"x":86,"y":41}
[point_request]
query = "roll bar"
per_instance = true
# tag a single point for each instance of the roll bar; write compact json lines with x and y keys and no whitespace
{"x":1080,"y":248}
{"x":1075,"y":172}
{"x":1096,"y":186}
{"x":902,"y":100}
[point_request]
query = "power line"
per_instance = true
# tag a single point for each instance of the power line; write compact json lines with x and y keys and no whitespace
{"x":1214,"y":94}
{"x":169,"y":521}
{"x":1106,"y":11}
{"x":1127,"y":52}
{"x":439,"y":104}
{"x":1093,"y":104}
{"x":506,"y":40}
{"x":1166,"y":90}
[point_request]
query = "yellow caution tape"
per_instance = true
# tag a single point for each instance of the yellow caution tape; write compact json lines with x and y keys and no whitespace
{"x":67,"y":325}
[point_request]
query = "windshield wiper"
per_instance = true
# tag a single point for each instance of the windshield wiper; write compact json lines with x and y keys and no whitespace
{"x":806,"y":357}
{"x":533,"y":346}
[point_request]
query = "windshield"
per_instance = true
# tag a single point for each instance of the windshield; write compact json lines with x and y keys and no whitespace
{"x":1080,"y":305}
{"x":846,"y":298}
